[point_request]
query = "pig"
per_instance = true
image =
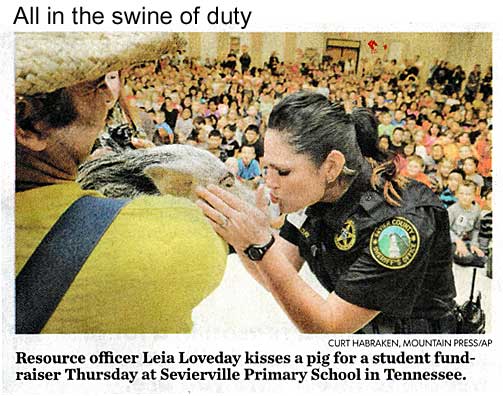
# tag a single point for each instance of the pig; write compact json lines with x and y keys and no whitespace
{"x":170,"y":169}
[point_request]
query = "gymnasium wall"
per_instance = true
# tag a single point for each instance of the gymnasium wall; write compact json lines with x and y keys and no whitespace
{"x":465,"y":48}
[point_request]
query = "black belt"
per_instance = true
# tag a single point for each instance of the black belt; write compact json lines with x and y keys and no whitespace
{"x":447,"y":324}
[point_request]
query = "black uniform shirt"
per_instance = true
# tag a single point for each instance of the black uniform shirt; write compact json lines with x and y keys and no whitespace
{"x":396,"y":260}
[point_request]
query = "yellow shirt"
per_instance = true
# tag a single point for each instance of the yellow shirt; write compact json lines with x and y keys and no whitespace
{"x":451,"y":152}
{"x":155,"y":263}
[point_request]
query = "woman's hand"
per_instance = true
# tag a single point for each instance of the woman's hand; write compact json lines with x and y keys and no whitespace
{"x":236,"y":221}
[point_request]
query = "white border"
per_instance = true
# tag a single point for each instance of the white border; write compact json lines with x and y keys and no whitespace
{"x":314,"y":15}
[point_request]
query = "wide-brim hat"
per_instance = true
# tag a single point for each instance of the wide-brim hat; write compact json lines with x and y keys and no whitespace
{"x":47,"y":61}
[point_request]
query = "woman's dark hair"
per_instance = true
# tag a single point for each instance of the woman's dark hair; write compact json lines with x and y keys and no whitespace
{"x":385,"y":174}
{"x":55,"y":109}
{"x":366,"y":132}
{"x":314,"y":126}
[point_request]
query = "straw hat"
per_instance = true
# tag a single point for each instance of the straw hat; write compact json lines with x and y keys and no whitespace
{"x":46,"y":62}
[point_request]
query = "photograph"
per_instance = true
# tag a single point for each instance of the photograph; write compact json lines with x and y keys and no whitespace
{"x":205,"y":198}
{"x":150,"y":166}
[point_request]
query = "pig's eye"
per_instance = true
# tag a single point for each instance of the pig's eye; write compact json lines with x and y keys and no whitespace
{"x":228,"y":180}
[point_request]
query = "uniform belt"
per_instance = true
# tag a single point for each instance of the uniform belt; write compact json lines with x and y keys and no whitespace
{"x":386,"y":325}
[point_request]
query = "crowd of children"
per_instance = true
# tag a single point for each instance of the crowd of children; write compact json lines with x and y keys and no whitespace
{"x":439,"y":130}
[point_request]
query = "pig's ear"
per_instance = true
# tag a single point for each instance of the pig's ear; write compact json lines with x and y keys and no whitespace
{"x":169,"y":181}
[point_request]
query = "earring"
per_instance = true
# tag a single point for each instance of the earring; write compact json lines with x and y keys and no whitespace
{"x":347,"y":171}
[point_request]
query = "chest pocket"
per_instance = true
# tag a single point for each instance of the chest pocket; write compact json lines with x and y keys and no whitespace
{"x":343,"y":248}
{"x":330,"y":253}
{"x":312,"y":248}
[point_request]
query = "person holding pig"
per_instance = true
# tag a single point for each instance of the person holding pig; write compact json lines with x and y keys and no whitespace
{"x":127,"y":283}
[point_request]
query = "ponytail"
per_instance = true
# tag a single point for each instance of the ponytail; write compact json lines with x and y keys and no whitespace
{"x":385,"y":173}
{"x":385,"y":176}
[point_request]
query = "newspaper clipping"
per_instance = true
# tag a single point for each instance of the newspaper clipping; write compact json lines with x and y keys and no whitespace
{"x":232,"y":197}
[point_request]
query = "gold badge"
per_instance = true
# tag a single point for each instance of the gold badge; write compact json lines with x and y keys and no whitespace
{"x":347,"y":237}
{"x":395,"y":243}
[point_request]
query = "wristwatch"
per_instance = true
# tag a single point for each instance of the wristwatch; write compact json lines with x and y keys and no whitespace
{"x":257,"y":252}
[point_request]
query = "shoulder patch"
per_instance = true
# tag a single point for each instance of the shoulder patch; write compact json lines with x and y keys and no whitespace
{"x":347,"y":237}
{"x":395,"y":243}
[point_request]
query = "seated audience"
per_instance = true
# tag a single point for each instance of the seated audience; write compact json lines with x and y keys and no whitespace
{"x":464,"y":219}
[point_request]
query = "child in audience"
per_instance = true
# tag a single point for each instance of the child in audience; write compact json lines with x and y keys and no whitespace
{"x":433,"y":160}
{"x":398,"y":119}
{"x":409,"y":149}
{"x":385,"y":127}
{"x":448,"y":196}
{"x":248,"y":166}
{"x":464,"y":152}
{"x":464,"y":219}
{"x":432,"y":136}
{"x":470,"y":168}
{"x":415,"y":170}
{"x":420,"y":149}
{"x":450,"y":148}
{"x":486,"y":230}
{"x":215,"y":145}
{"x":396,"y":141}
{"x":229,"y":141}
{"x":184,"y":125}
{"x":439,"y":180}
{"x":163,"y":133}
{"x":199,"y":130}
{"x":252,"y":138}
{"x":383,"y":144}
